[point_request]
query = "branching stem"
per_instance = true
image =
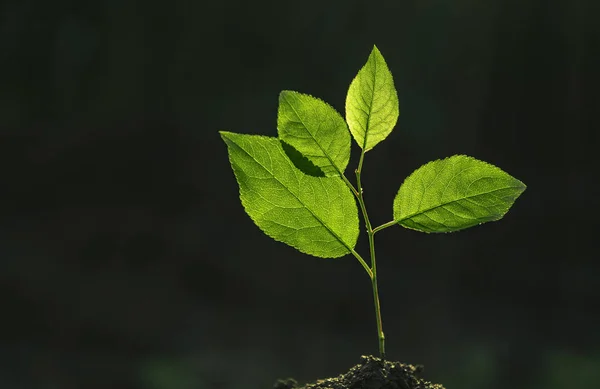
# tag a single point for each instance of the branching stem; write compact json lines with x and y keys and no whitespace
{"x":385,"y":225}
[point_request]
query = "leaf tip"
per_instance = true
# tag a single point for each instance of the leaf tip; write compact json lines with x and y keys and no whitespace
{"x":225,"y":134}
{"x":284,"y":93}
{"x":376,"y":52}
{"x":230,"y":138}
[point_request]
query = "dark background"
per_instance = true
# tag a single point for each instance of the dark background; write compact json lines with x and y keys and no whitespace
{"x":127,"y":261}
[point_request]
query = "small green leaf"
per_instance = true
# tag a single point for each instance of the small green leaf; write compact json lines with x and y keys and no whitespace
{"x":455,"y":193}
{"x":316,"y":130}
{"x":372,"y":103}
{"x":316,"y":215}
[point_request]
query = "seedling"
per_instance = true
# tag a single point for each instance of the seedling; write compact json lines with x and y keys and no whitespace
{"x":294,"y":188}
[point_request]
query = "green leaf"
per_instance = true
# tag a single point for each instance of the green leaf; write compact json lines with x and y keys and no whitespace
{"x":301,"y":162}
{"x":316,"y":215}
{"x":316,"y":130}
{"x":372,"y":103}
{"x":453,"y":194}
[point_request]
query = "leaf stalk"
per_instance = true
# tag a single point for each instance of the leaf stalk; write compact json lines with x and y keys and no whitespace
{"x":385,"y":225}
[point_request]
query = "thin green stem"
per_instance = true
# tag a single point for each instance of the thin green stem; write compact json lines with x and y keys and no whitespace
{"x":385,"y":225}
{"x":349,"y":184}
{"x":363,"y":263}
{"x":373,"y":270}
{"x":380,"y":334}
{"x":360,"y":161}
{"x":357,"y":255}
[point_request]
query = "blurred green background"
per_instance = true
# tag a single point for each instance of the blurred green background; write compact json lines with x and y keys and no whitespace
{"x":127,"y":261}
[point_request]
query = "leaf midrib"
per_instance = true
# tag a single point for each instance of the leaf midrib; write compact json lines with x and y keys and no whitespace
{"x":453,"y":201}
{"x":368,"y":126}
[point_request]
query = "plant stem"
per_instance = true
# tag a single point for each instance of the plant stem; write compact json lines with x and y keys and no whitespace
{"x":349,"y":185}
{"x":385,"y":225}
{"x":380,"y":334}
{"x":373,"y":273}
{"x":363,"y":263}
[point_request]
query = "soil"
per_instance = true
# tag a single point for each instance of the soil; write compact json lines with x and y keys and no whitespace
{"x":370,"y":373}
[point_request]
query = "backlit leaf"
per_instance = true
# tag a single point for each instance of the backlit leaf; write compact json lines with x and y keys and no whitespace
{"x":455,"y":193}
{"x":316,"y":215}
{"x":372,"y":103}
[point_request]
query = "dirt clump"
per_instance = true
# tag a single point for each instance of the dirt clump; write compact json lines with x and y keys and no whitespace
{"x":370,"y":373}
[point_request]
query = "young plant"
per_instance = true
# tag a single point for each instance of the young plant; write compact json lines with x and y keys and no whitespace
{"x":294,"y":188}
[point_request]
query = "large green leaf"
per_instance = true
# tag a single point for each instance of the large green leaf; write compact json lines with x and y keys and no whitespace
{"x":316,"y":215}
{"x":372,"y":103}
{"x":455,"y":193}
{"x":316,"y":130}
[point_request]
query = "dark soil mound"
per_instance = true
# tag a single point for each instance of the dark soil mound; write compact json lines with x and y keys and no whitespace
{"x":370,"y":373}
